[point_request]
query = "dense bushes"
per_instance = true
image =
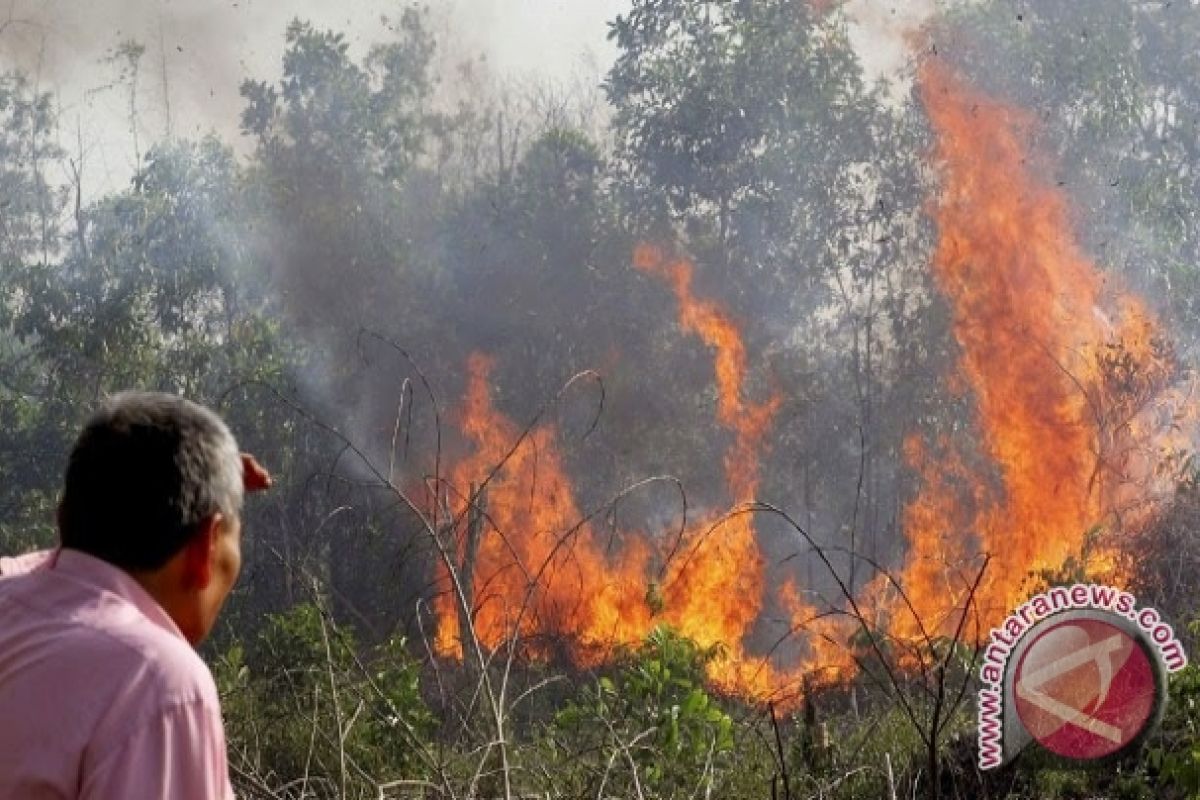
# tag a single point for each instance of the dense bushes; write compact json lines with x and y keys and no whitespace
{"x":310,"y":713}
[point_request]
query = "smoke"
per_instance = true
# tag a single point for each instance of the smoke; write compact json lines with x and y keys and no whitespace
{"x":882,"y":33}
{"x":198,"y":52}
{"x":195,"y":56}
{"x":498,"y":234}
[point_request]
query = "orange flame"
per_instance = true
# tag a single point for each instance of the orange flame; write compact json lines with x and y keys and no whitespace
{"x":543,"y":574}
{"x":1077,"y":426}
{"x":714,"y":592}
{"x":1061,"y":368}
{"x":539,"y":572}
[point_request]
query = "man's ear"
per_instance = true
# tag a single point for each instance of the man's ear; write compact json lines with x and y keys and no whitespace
{"x":199,"y":552}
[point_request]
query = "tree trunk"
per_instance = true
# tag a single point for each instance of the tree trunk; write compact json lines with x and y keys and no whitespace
{"x":476,"y":514}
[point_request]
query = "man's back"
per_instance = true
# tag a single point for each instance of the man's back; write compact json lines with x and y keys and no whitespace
{"x":114,"y":701}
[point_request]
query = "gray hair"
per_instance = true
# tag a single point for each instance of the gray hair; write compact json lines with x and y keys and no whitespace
{"x":147,"y":469}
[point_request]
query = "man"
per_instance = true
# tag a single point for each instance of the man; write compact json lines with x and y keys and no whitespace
{"x":101,"y":692}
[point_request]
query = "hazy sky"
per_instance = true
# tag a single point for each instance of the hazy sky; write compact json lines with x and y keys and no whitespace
{"x":200,"y":50}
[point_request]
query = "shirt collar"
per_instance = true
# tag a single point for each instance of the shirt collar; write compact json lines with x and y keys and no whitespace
{"x":84,"y":568}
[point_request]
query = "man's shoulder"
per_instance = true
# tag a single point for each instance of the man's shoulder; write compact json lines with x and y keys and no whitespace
{"x":162,"y":666}
{"x":81,"y":673}
{"x":166,"y":661}
{"x":108,"y":636}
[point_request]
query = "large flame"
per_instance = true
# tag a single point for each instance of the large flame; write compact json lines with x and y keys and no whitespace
{"x":1076,"y":423}
{"x":1068,"y":378}
{"x":539,"y":572}
{"x":714,"y":590}
{"x":543,"y":573}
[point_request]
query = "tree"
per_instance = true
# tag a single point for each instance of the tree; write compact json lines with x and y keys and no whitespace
{"x":29,"y":242}
{"x":746,"y":131}
{"x":335,"y":142}
{"x":338,"y":146}
{"x":157,"y":293}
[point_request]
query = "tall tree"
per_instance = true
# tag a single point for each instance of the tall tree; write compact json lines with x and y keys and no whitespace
{"x":746,"y":130}
{"x":30,"y":244}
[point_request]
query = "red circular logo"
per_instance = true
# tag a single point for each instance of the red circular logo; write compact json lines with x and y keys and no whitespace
{"x":1084,"y":688}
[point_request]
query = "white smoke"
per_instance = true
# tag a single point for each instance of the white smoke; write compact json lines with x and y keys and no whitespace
{"x":882,"y":34}
{"x":197,"y":52}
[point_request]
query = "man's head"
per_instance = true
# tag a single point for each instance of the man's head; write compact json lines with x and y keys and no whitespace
{"x":154,"y":485}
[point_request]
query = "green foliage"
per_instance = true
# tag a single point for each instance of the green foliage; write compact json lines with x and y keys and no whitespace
{"x":149,"y":292}
{"x":651,"y":725}
{"x":717,"y":104}
{"x":367,"y":116}
{"x":30,"y":231}
{"x":1173,"y":755}
{"x":881,"y":736}
{"x":30,"y":204}
{"x":304,"y":703}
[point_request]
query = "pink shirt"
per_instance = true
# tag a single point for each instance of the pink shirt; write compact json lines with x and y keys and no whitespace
{"x":100,"y":694}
